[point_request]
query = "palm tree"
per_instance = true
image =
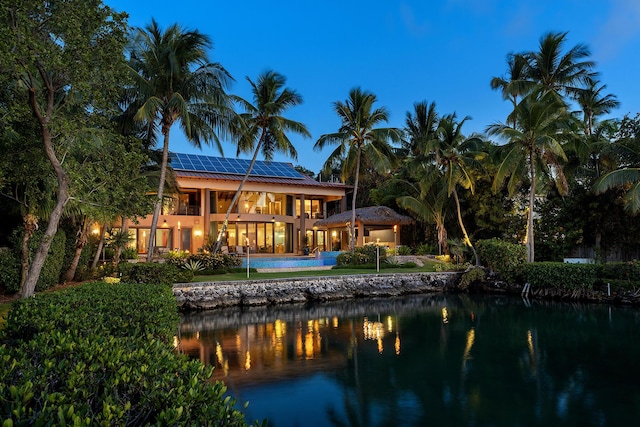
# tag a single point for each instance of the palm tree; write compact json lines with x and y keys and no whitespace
{"x":594,"y":103}
{"x":534,"y":149}
{"x":513,"y":85}
{"x":455,"y":157}
{"x":263,"y":128}
{"x":358,"y":136}
{"x":175,"y":82}
{"x":620,"y":178}
{"x":560,"y":73}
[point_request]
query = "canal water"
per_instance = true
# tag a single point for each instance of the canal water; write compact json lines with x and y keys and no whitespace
{"x":426,"y":361}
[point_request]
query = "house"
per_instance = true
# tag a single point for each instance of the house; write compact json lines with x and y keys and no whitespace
{"x":276,"y":211}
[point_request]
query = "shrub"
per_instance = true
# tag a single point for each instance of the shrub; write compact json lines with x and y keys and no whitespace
{"x":150,"y":272}
{"x":558,"y":275}
{"x":472,"y":275}
{"x":50,"y":273}
{"x":362,"y":255}
{"x":501,"y":256}
{"x":404,"y":250}
{"x":102,"y":354}
{"x":426,"y":249}
{"x":9,"y":271}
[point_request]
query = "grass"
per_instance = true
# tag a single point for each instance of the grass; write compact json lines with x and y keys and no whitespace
{"x":429,"y":267}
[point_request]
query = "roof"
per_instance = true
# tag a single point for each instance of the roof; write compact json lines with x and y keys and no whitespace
{"x":372,"y":215}
{"x":233,"y":169}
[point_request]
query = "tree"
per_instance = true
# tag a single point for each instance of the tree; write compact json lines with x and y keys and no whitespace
{"x":175,"y":82}
{"x":560,"y":73}
{"x":455,"y":158}
{"x":263,"y":128}
{"x":533,"y":150}
{"x":594,"y":103}
{"x":65,"y":58}
{"x":358,"y":136}
{"x":513,"y":85}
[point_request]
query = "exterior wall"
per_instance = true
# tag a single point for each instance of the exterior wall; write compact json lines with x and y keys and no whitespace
{"x":188,"y":229}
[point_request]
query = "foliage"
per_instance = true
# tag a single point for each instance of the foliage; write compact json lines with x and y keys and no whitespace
{"x":501,"y":256}
{"x":361,"y":255}
{"x":472,"y":275}
{"x":426,"y":249}
{"x":9,"y":271}
{"x":155,"y":273}
{"x":210,"y":263}
{"x":102,"y":354}
{"x":558,"y":275}
{"x":193,"y":265}
{"x":404,"y":250}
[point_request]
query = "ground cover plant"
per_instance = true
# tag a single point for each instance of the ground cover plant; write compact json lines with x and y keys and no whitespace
{"x":103,"y":354}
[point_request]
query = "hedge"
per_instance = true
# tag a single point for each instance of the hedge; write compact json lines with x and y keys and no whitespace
{"x":154,"y":273}
{"x":501,"y":256}
{"x":102,"y":354}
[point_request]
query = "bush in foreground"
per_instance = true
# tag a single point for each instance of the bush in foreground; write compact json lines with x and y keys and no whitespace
{"x":102,"y":354}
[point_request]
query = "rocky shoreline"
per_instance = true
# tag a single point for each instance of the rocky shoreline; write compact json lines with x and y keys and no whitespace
{"x":210,"y":295}
{"x":250,"y":293}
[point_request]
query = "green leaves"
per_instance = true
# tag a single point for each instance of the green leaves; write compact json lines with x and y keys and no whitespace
{"x":102,"y":354}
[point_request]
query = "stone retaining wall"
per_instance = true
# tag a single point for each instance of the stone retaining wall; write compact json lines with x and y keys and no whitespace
{"x":209,"y":295}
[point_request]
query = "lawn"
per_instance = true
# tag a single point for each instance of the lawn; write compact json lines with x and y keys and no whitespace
{"x":429,"y":267}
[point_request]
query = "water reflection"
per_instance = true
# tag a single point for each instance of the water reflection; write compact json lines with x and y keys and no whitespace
{"x":427,"y":360}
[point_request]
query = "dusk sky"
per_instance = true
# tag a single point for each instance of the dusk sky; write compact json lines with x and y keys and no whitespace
{"x":402,"y":51}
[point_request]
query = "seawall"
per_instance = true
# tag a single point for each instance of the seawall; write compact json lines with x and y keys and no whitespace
{"x":209,"y":295}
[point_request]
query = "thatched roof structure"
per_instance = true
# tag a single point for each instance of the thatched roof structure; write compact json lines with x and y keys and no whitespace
{"x":372,"y":215}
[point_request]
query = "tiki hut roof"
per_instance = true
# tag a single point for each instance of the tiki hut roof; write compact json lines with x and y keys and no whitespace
{"x":372,"y":215}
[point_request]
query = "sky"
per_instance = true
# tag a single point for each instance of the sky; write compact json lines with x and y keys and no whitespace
{"x":402,"y":51}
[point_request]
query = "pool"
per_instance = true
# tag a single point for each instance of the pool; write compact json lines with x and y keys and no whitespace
{"x":324,"y":259}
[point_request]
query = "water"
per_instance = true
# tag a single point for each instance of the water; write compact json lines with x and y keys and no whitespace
{"x":323,"y":259}
{"x":426,"y":361}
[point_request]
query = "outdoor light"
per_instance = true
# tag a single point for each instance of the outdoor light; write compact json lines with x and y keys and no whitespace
{"x":197,"y":233}
{"x":178,"y":225}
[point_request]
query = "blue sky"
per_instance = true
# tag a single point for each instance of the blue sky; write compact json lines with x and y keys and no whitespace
{"x":403,"y":51}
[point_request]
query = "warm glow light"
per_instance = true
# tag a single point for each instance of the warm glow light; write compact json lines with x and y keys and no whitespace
{"x":397,"y":344}
{"x":334,"y":234}
{"x":96,"y":230}
{"x":395,"y":228}
{"x":176,"y":342}
{"x":530,"y":344}
{"x":445,"y":315}
{"x":247,"y":361}
{"x":178,"y":225}
{"x":197,"y":233}
{"x":471,"y":337}
{"x":389,"y":324}
{"x":335,"y":322}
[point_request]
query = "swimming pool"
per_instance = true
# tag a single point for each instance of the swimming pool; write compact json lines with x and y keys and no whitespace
{"x":324,"y":259}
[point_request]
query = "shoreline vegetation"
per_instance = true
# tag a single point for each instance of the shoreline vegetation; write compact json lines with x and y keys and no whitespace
{"x":104,"y":352}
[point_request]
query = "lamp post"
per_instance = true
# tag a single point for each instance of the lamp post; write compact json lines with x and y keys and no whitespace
{"x":395,"y":245}
{"x":378,"y":255}
{"x":247,"y":242}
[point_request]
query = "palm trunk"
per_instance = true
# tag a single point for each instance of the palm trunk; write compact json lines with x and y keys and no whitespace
{"x":352,"y":240}
{"x":159,"y":201}
{"x":237,"y":195}
{"x":81,"y":242}
{"x":532,"y":196}
{"x":467,"y":241}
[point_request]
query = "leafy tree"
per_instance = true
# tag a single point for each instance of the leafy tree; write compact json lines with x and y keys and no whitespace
{"x":263,"y":128}
{"x":65,"y":59}
{"x":358,"y":136}
{"x":175,"y":82}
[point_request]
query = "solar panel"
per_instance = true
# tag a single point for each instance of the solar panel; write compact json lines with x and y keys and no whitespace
{"x":202,"y":163}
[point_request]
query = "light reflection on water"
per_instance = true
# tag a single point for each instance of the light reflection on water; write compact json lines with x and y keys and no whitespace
{"x":425,"y":360}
